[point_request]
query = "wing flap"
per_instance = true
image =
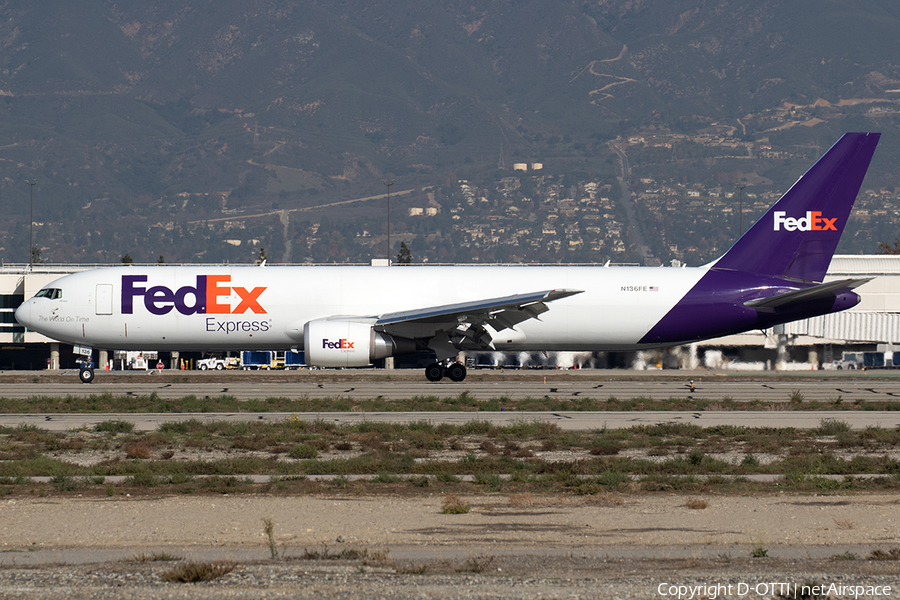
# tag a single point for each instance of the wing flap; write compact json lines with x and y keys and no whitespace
{"x":816,"y":292}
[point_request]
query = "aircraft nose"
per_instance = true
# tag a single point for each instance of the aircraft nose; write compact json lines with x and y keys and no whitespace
{"x":23,"y":313}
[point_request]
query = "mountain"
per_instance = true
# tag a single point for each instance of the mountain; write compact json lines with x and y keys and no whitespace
{"x":142,"y":122}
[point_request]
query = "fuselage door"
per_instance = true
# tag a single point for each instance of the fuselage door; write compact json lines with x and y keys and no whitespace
{"x":104,"y":304}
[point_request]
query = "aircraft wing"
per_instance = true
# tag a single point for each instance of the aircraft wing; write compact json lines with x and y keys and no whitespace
{"x":452,"y":327}
{"x":817,"y":292}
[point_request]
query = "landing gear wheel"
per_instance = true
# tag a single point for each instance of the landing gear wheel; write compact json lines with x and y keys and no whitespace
{"x":456,"y":372}
{"x":434,"y":372}
{"x":86,"y":375}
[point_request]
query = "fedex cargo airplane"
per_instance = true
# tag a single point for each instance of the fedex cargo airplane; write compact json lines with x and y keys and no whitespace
{"x":349,"y":316}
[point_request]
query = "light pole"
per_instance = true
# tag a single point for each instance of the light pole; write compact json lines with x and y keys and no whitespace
{"x":389,"y":219}
{"x":741,"y":210}
{"x":31,"y":184}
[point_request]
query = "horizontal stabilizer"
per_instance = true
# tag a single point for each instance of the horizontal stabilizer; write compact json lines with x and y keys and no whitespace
{"x":817,"y":292}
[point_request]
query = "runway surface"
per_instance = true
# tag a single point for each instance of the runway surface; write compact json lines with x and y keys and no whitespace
{"x":712,"y":388}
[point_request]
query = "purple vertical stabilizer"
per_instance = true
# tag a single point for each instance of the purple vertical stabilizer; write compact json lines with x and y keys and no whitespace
{"x":797,"y":236}
{"x":770,"y":275}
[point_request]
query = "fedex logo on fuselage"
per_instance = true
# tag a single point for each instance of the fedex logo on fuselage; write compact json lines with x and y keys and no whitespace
{"x":813,"y":221}
{"x":203,"y":298}
{"x":338,"y":345}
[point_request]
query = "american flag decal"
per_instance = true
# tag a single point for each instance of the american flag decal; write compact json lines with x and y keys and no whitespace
{"x":653,"y":288}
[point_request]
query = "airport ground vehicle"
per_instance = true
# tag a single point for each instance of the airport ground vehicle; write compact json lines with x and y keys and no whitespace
{"x":218,"y":363}
{"x":271,"y":360}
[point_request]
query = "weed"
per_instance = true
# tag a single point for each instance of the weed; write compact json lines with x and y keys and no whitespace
{"x":143,"y":479}
{"x":303,"y":451}
{"x":832,"y":427}
{"x":420,"y":481}
{"x":750,"y":461}
{"x":796,"y":397}
{"x":492,"y":481}
{"x":64,"y":483}
{"x":447,"y":477}
{"x":114,"y":427}
{"x":452,"y":505}
{"x":193,"y":572}
{"x":696,"y":504}
{"x":269,"y":530}
{"x":759,"y":546}
{"x":845,"y":556}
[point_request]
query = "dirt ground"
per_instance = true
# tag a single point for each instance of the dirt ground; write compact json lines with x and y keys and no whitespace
{"x":507,"y":546}
{"x":615,"y":546}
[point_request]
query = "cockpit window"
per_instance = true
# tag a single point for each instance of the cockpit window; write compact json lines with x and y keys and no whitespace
{"x":49,"y":293}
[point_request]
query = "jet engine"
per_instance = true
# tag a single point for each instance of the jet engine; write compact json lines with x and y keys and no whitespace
{"x":337,"y":343}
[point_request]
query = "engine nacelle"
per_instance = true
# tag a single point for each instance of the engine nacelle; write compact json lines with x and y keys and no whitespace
{"x":335,"y":343}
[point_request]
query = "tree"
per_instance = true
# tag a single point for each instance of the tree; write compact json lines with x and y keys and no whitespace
{"x":127,"y":260}
{"x":161,"y":260}
{"x":404,"y":257}
{"x":889,"y":248}
{"x":262,"y":257}
{"x":36,"y":256}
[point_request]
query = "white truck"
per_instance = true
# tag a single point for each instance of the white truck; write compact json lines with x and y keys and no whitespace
{"x":219,"y":363}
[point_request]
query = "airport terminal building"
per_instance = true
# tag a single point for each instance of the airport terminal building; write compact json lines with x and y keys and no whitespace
{"x":871,"y":326}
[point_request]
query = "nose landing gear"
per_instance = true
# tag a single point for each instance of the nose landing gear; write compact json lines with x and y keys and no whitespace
{"x":86,"y":371}
{"x":436,"y":371}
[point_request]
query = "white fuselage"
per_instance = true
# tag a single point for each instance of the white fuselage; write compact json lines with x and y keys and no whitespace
{"x":247,"y":308}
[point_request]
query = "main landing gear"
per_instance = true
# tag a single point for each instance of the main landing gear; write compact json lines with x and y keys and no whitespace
{"x":436,"y":371}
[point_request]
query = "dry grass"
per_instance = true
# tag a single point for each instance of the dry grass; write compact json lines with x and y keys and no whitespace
{"x":137,"y":450}
{"x":696,"y":504}
{"x":453,"y":505}
{"x":892,"y":554}
{"x":194,"y":572}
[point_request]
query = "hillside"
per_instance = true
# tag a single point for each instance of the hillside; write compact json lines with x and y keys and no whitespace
{"x":142,"y":121}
